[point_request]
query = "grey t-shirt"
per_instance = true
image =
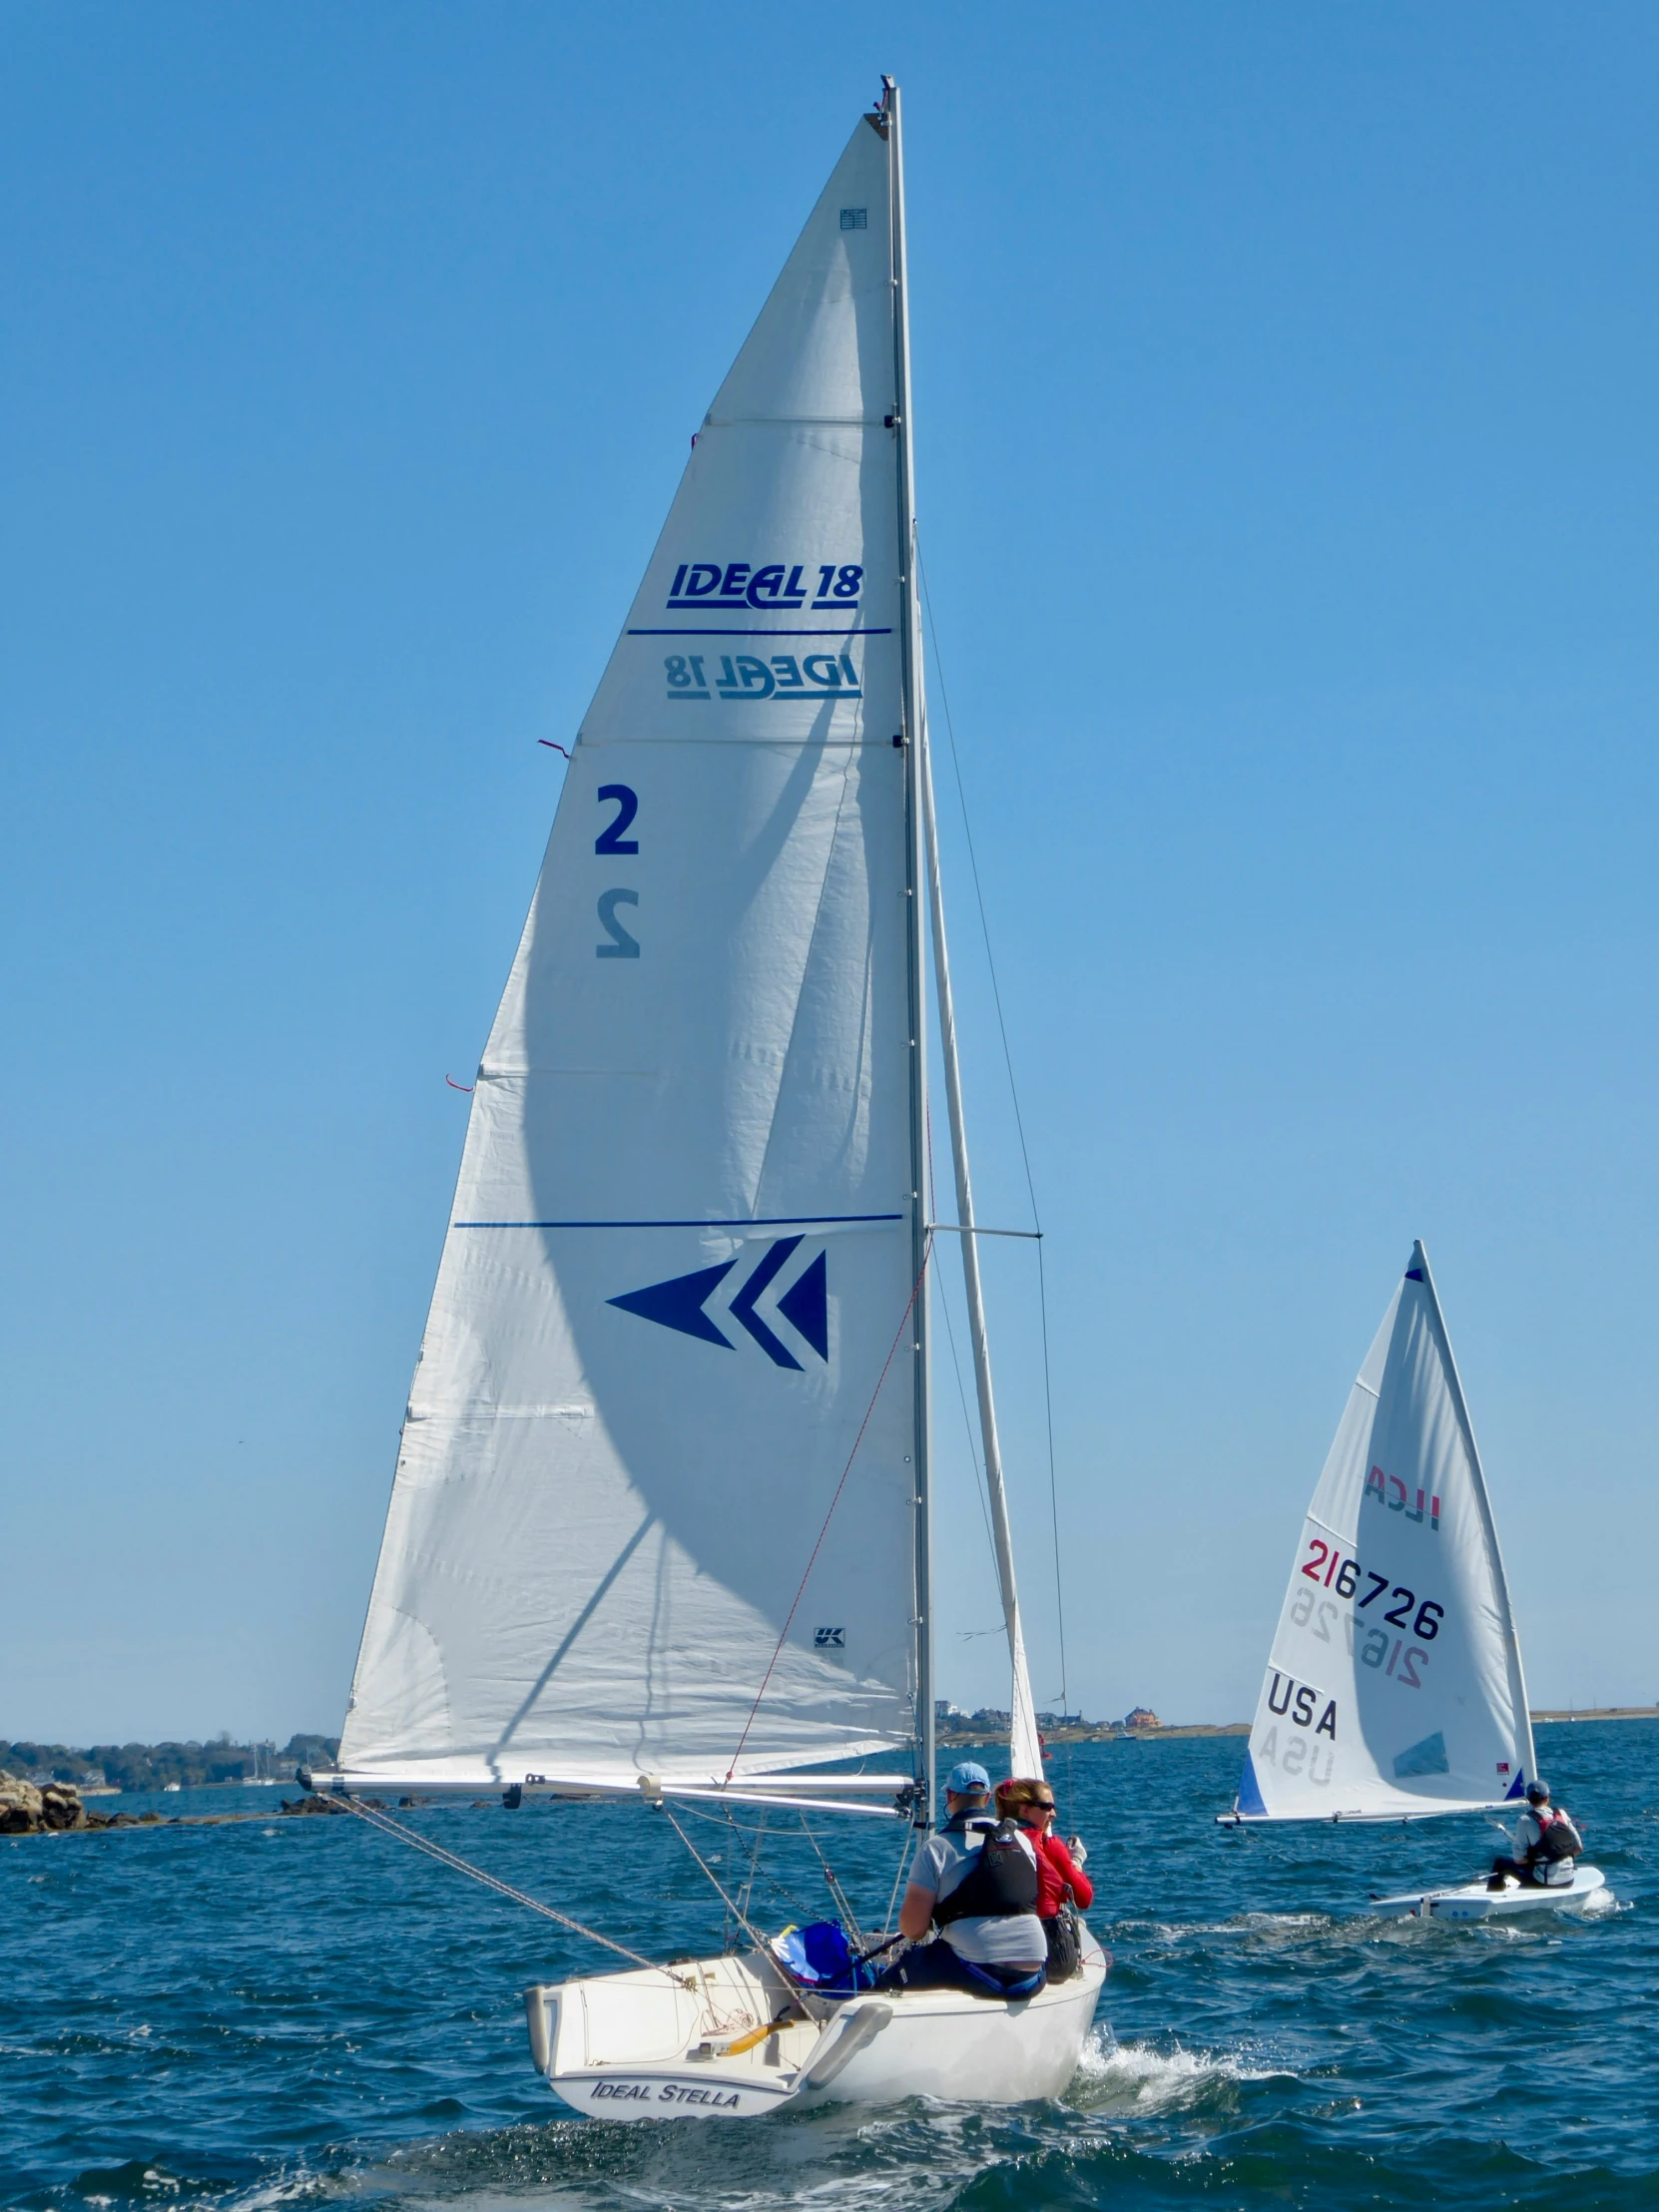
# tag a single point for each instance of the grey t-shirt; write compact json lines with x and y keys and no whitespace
{"x":991,"y":1939}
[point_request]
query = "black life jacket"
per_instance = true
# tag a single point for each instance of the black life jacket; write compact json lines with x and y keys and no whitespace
{"x":1558,"y":1839}
{"x":1001,"y":1880}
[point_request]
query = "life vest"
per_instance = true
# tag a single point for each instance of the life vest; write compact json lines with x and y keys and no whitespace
{"x":1558,"y":1837}
{"x":1002,"y":1880}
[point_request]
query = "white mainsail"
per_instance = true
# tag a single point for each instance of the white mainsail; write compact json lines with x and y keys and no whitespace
{"x":1395,"y":1683}
{"x":654,"y":1508}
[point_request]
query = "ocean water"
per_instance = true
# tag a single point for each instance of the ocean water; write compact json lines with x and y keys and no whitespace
{"x":301,"y":2012}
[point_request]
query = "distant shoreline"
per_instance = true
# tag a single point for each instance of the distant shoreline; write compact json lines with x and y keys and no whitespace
{"x":1602,"y":1713}
{"x":1109,"y":1732}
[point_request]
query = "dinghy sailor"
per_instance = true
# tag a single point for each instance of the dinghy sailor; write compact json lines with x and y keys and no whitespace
{"x":996,"y":1947}
{"x":1546,"y":1844}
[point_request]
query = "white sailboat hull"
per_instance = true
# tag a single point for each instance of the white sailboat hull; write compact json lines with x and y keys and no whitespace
{"x":657,"y":2044}
{"x":1473,"y":1901}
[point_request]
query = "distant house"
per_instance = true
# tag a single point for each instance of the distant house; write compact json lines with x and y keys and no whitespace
{"x":1141,"y":1718}
{"x":1061,"y":1720}
{"x":946,"y":1715}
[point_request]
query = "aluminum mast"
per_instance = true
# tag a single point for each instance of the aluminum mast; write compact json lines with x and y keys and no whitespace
{"x":910,"y":736}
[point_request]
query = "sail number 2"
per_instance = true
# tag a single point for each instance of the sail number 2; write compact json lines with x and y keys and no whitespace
{"x":620,"y":943}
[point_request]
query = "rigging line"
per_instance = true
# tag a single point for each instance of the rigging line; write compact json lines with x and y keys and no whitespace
{"x":898,"y":1876}
{"x":1019,"y":1118}
{"x":955,"y":1362}
{"x":376,"y":1817}
{"x":753,"y":1856}
{"x":742,"y":1919}
{"x":1054,"y":1512}
{"x":968,"y":1424}
{"x":800,"y":1592}
{"x":978,"y":892}
{"x":837,"y":1894}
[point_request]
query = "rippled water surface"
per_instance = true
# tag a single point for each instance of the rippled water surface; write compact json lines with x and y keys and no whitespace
{"x":299,"y":2012}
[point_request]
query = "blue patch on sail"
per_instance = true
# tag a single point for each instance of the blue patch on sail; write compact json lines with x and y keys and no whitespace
{"x":1413,"y":1274}
{"x":743,"y":1305}
{"x":806,"y":1305}
{"x":1517,"y":1789}
{"x":1428,"y":1757}
{"x":1249,"y":1799}
{"x":679,"y":1303}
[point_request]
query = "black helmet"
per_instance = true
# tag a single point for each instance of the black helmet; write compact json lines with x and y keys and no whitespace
{"x":1537,"y":1792}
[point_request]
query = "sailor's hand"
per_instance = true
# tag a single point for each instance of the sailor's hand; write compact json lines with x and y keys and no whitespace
{"x":1079,"y":1851}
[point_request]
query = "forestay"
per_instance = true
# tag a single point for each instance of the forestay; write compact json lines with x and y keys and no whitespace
{"x":671,"y":1315}
{"x":1395,"y":1683}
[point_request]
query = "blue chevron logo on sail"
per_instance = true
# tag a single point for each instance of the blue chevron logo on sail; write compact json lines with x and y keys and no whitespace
{"x":681,"y":1304}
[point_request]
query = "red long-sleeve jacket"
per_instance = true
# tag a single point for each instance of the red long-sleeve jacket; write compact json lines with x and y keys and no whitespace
{"x":1057,"y":1871}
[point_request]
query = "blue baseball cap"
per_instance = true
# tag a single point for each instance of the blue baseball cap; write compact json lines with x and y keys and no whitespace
{"x":967,"y":1777}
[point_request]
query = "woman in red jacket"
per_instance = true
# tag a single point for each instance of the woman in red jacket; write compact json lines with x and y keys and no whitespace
{"x":1060,"y":1877}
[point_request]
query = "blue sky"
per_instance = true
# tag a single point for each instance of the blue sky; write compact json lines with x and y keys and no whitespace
{"x":1284,"y":391}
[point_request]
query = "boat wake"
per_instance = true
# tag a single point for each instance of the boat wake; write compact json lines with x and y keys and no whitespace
{"x":1137,"y":2078}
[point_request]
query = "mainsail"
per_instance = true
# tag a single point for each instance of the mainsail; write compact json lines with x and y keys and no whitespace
{"x":660,"y":1501}
{"x":1394,"y":1684}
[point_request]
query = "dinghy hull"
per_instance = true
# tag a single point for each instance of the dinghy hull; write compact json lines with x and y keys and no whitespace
{"x":706,"y":2041}
{"x":1473,"y":1901}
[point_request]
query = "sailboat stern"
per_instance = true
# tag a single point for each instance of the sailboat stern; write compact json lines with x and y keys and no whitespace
{"x":715,"y":2038}
{"x":728,"y":2038}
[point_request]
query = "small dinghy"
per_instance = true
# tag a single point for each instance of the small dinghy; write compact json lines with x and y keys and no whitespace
{"x":1393,"y":1689}
{"x":660,"y":1527}
{"x":1475,"y":1901}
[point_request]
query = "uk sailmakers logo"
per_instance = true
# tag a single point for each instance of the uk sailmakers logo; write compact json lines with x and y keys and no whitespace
{"x":798,"y":1296}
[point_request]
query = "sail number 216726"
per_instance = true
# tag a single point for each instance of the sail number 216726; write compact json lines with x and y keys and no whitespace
{"x":1326,"y":1566}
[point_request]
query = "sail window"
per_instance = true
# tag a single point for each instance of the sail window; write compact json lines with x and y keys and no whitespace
{"x":855,"y":219}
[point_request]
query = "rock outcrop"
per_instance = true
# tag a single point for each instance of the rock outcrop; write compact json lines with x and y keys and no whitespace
{"x":30,"y":1809}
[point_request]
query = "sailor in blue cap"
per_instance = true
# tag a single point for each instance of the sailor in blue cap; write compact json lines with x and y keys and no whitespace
{"x":975,"y":1883}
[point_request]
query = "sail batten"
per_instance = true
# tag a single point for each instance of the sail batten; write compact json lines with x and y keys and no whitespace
{"x":1393,"y":1688}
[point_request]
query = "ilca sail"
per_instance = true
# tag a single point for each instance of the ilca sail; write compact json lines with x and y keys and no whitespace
{"x":660,"y":1501}
{"x":1395,"y":1683}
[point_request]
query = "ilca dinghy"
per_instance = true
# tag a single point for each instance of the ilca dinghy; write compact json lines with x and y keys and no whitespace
{"x":659,"y":1526}
{"x":1395,"y":1690}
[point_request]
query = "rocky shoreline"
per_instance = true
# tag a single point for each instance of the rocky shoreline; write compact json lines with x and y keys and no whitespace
{"x":54,"y":1809}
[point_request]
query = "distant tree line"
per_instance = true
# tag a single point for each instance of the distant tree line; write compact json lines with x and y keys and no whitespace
{"x":154,"y":1766}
